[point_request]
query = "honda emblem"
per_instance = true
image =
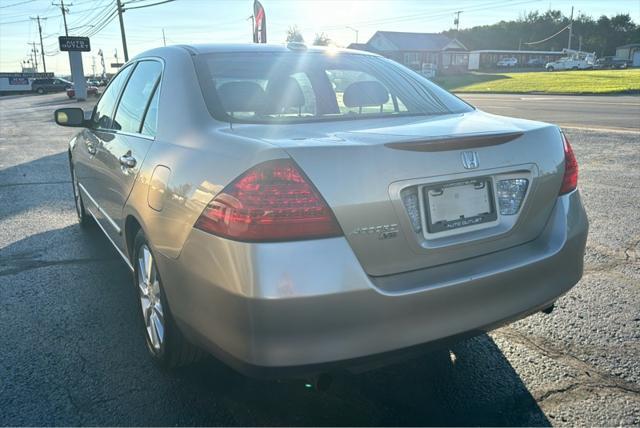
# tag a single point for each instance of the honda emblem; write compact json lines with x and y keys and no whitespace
{"x":470,"y":160}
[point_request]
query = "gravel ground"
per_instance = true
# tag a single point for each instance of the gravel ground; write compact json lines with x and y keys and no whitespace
{"x":72,"y":352}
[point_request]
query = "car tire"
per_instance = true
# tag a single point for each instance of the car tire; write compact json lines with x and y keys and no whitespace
{"x":574,"y":68}
{"x":165,"y":342}
{"x":40,"y":91}
{"x":549,"y":68}
{"x":84,"y":218}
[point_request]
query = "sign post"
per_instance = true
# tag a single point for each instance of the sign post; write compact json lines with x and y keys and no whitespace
{"x":75,"y":46}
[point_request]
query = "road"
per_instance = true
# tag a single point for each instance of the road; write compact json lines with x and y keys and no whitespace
{"x":71,"y":346}
{"x":598,"y":113}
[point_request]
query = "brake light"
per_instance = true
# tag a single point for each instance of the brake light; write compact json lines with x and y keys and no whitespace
{"x":570,"y":179}
{"x":273,"y":201}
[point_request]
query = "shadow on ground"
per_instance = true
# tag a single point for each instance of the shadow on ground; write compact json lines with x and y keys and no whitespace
{"x":73,"y":351}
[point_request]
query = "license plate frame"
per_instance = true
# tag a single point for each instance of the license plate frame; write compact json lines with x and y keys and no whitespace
{"x":485,"y":211}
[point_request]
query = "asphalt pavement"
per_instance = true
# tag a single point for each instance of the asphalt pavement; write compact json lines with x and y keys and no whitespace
{"x":595,"y":113}
{"x":72,"y":347}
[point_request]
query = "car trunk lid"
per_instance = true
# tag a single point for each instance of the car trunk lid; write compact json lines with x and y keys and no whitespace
{"x":364,"y":167}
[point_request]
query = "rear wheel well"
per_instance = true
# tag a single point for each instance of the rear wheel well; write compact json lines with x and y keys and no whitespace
{"x":131,"y":228}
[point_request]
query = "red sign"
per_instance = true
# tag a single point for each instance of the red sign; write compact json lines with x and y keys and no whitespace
{"x":260,"y":23}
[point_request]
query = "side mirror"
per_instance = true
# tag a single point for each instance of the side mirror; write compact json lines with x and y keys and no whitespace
{"x":70,"y":117}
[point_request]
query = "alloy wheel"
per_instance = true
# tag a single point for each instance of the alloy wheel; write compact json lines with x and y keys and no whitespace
{"x":150,"y":301}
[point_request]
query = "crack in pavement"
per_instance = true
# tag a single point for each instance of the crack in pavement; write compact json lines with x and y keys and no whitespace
{"x":582,"y":385}
{"x":30,"y":264}
{"x":589,"y":375}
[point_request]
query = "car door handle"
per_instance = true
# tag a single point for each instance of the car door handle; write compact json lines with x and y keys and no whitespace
{"x":91,"y":149}
{"x":127,"y":160}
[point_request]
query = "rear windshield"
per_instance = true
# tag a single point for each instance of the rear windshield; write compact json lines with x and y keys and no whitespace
{"x":313,"y":86}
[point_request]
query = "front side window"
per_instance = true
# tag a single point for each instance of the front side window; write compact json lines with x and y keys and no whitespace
{"x":103,"y":113}
{"x":310,"y":86}
{"x":136,"y":96}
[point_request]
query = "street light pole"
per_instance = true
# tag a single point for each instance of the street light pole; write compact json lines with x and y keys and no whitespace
{"x":353,"y":29}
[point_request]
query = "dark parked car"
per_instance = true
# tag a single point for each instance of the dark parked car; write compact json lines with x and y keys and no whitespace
{"x":611,"y":62}
{"x":42,"y":86}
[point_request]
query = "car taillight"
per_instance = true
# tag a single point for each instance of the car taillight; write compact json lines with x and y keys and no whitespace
{"x":570,"y":179}
{"x":273,"y":201}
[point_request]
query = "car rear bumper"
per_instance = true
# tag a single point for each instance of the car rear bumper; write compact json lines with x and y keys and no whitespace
{"x":304,"y":306}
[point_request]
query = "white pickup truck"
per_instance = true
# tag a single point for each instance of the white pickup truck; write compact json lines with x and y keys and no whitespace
{"x":569,"y":64}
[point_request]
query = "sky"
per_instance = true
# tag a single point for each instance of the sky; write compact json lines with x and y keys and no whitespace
{"x":226,"y":21}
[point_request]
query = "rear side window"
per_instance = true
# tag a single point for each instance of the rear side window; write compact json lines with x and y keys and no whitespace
{"x":136,"y":96}
{"x":103,"y":113}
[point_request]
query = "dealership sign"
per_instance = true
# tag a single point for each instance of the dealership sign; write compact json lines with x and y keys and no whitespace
{"x":77,"y":44}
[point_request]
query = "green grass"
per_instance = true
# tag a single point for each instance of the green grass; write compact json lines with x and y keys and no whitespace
{"x":557,"y":82}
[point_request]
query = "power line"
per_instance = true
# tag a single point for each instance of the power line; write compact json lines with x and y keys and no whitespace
{"x":120,"y":10}
{"x":15,"y":22}
{"x":92,"y":15}
{"x":547,"y":38}
{"x":102,"y":25}
{"x":42,"y":17}
{"x":99,"y":20}
{"x":17,"y":4}
{"x":146,"y":5}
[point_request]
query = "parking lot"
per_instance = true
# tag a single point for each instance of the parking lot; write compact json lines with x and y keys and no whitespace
{"x":72,"y":350}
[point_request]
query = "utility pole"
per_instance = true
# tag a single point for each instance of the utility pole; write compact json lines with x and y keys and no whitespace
{"x":570,"y":28}
{"x":456,"y":21}
{"x":44,"y":64}
{"x":64,"y":14}
{"x":124,"y":37}
{"x":164,"y":40}
{"x":93,"y":66}
{"x":34,"y":56}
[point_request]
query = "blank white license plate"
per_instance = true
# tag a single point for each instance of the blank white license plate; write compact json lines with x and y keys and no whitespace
{"x":457,"y":205}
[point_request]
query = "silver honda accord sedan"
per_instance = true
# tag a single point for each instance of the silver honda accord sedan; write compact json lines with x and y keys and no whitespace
{"x":289,"y":209}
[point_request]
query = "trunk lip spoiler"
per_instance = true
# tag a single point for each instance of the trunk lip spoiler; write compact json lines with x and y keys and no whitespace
{"x":440,"y":144}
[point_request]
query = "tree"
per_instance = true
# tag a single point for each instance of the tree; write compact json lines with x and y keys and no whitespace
{"x":601,"y":36}
{"x":321,"y":39}
{"x":294,"y":35}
